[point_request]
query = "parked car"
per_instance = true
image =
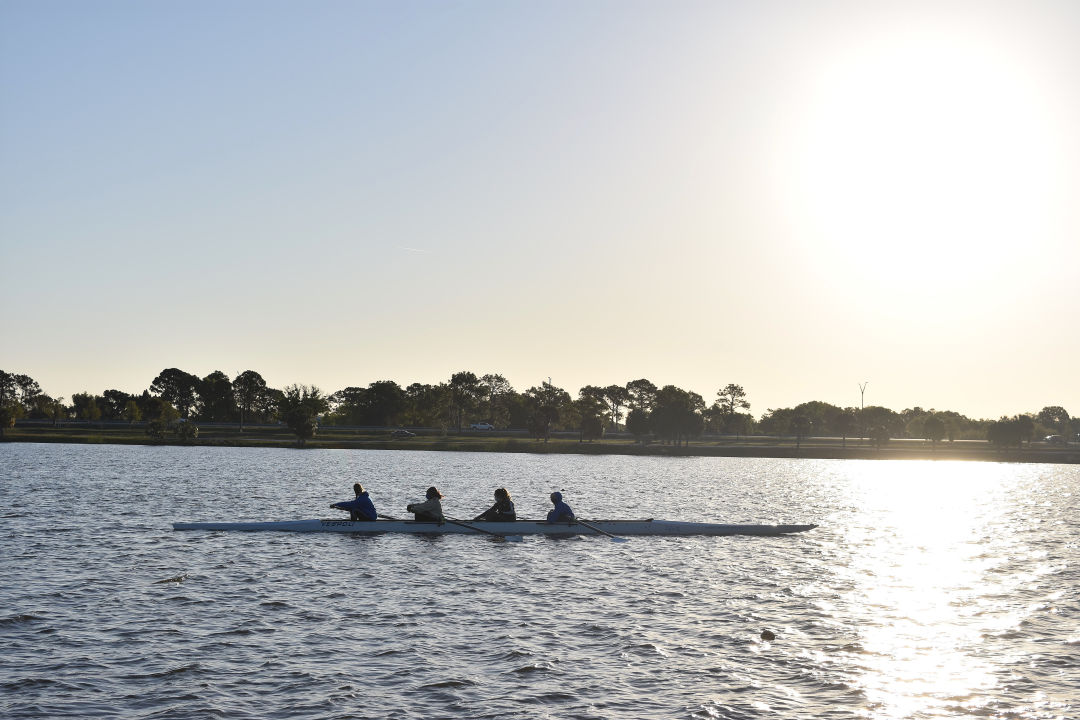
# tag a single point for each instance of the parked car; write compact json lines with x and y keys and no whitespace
{"x":402,"y":433}
{"x":482,"y":426}
{"x":1056,"y":439}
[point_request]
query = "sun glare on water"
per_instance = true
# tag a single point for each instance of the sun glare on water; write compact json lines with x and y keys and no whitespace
{"x":920,"y":577}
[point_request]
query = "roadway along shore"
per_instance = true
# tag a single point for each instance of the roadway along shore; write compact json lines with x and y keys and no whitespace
{"x":438,"y":440}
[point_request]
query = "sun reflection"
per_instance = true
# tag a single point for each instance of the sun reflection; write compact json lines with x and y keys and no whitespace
{"x":919,"y":569}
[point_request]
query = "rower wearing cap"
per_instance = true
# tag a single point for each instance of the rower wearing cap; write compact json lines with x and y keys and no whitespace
{"x":359,"y":509}
{"x":502,"y":510}
{"x":431,"y":509}
{"x":561,"y":512}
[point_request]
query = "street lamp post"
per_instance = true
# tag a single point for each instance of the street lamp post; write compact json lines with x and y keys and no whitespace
{"x":862,"y":406}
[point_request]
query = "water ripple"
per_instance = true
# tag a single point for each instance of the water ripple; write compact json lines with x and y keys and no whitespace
{"x":936,"y":590}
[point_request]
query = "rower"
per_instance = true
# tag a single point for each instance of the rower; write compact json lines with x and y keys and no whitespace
{"x":561,"y":512}
{"x":431,"y":509}
{"x":501,"y":511}
{"x":360,"y":508}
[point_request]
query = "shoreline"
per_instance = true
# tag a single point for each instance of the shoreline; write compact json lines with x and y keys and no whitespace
{"x":334,"y":439}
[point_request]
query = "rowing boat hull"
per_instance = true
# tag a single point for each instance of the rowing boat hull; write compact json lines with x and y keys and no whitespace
{"x":521,"y":527}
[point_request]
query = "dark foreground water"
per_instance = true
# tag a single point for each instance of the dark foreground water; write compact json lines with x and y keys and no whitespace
{"x":931,"y":590}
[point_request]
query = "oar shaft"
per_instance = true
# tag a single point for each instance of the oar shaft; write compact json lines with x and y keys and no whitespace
{"x":602,"y":532}
{"x":471,"y":527}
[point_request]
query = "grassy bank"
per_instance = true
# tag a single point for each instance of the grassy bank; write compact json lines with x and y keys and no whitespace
{"x":273,"y":436}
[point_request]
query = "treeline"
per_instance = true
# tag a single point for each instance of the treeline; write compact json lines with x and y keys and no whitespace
{"x":880,"y":424}
{"x":669,"y":413}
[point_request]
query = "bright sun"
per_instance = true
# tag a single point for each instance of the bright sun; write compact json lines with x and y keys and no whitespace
{"x":928,"y":156}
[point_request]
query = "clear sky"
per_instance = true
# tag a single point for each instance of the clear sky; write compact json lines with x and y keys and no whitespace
{"x":792,"y":196}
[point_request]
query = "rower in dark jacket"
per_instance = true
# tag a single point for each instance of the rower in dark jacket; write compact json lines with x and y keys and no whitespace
{"x":561,"y":512}
{"x":502,"y":510}
{"x":361,"y":508}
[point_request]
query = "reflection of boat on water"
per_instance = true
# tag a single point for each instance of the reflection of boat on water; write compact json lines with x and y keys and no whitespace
{"x":520,"y":527}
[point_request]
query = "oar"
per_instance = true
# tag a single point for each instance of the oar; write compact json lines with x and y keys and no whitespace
{"x":615,"y":538}
{"x":387,"y":517}
{"x":511,"y":538}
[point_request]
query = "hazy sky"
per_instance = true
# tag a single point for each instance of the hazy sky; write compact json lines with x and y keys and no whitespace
{"x":793,"y":196}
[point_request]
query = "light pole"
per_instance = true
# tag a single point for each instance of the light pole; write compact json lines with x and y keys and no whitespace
{"x":862,"y":406}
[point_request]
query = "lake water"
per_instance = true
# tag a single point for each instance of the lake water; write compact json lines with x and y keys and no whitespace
{"x":930,"y":589}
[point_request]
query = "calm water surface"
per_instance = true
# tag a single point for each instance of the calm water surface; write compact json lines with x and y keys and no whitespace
{"x":931,"y":590}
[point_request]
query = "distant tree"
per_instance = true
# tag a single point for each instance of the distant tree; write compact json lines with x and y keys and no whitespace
{"x":248,"y":389}
{"x":9,"y":411}
{"x":637,"y":424}
{"x":519,"y":408}
{"x":156,"y":429}
{"x":113,"y":403}
{"x":216,"y":401}
{"x":1025,"y":427}
{"x":496,"y":395}
{"x":741,"y":424}
{"x":1055,"y":417}
{"x":186,"y":432}
{"x":595,"y":394}
{"x":380,"y":404}
{"x":959,"y":426}
{"x":465,"y":392}
{"x":19,"y":394}
{"x":590,"y":407}
{"x":41,"y":407}
{"x":347,"y":406}
{"x":714,"y":419}
{"x":676,"y":415}
{"x":592,"y":428}
{"x":46,"y":407}
{"x":776,"y":421}
{"x":9,"y":408}
{"x":1005,"y":432}
{"x":846,"y":423}
{"x":268,"y":407}
{"x":914,"y":427}
{"x":546,"y":403}
{"x":300,"y":408}
{"x":131,"y":411}
{"x":28,"y":390}
{"x":934,"y":429}
{"x":821,"y":415}
{"x":385,"y":402}
{"x":880,"y":417}
{"x":880,"y":435}
{"x":800,"y":427}
{"x":426,"y":405}
{"x":177,"y":388}
{"x":85,"y":406}
{"x":7,"y":388}
{"x":642,"y":394}
{"x":617,"y":397}
{"x":730,"y":400}
{"x":156,"y":409}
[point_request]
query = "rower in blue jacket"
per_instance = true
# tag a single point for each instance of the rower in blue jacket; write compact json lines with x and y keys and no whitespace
{"x":361,"y":508}
{"x":561,"y":512}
